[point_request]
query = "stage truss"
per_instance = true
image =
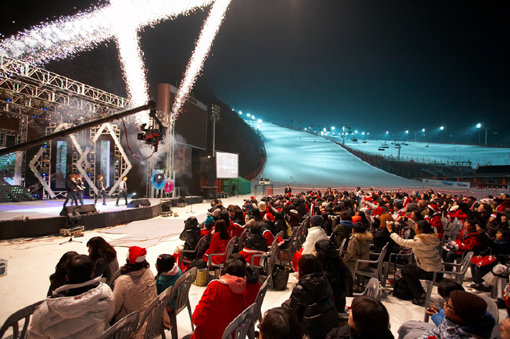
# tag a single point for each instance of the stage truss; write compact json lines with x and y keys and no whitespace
{"x":34,"y":96}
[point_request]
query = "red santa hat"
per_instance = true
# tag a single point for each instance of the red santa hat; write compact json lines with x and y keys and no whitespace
{"x":500,"y":208}
{"x":136,"y":254}
{"x":356,"y":219}
{"x":434,"y":207}
{"x":378,"y":211}
{"x":269,"y":216}
{"x":407,"y":200}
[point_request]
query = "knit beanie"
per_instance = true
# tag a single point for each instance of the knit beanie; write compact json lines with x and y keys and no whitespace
{"x":209,"y":220}
{"x":468,"y":306}
{"x":136,"y":254}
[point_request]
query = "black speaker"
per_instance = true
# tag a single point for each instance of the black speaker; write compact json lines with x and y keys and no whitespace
{"x":78,"y":210}
{"x":135,"y":203}
{"x":166,"y":206}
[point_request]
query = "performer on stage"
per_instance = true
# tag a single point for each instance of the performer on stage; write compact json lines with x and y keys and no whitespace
{"x":288,"y":189}
{"x":81,"y":188}
{"x":101,"y":187}
{"x":122,"y":190}
{"x":72,"y":190}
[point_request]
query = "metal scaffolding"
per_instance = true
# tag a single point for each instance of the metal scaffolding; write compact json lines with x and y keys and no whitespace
{"x":32,"y":95}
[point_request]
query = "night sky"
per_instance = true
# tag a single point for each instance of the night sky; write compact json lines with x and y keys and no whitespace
{"x":373,"y":65}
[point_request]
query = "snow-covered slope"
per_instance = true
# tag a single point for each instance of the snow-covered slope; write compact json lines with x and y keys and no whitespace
{"x":428,"y":153}
{"x":303,"y":159}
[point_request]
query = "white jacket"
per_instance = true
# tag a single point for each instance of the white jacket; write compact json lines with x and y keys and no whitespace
{"x":426,"y":249}
{"x":315,"y":234}
{"x":85,"y":315}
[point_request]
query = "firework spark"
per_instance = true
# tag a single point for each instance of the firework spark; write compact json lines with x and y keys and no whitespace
{"x":70,"y":35}
{"x":202,"y":48}
{"x":121,"y":20}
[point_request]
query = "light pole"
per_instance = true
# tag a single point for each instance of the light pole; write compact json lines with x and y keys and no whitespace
{"x":479,"y":127}
{"x":442,"y":133}
{"x":215,"y":115}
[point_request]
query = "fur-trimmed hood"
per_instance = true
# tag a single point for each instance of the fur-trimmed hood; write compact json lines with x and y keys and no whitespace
{"x":430,"y":239}
{"x":236,"y":284}
{"x":367,"y":236}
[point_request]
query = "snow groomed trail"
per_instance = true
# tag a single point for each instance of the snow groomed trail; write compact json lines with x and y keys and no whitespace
{"x":306,"y":160}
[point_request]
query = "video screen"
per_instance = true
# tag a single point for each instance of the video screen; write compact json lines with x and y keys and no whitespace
{"x":227,"y":165}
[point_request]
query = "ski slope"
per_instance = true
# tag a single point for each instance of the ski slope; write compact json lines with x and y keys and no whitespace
{"x":429,"y":153}
{"x":302,"y":159}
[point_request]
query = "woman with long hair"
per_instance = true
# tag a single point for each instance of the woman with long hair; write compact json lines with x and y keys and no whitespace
{"x":219,"y":242}
{"x":339,"y":275}
{"x":58,"y":278}
{"x":104,"y":257}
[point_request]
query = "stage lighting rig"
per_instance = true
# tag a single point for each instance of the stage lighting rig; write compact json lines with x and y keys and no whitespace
{"x":152,"y":135}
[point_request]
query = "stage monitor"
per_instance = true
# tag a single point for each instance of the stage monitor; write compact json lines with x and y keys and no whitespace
{"x":227,"y":165}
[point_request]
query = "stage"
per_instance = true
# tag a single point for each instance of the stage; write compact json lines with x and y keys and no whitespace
{"x":42,"y":217}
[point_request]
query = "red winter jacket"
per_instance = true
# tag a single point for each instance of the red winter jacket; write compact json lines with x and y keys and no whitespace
{"x":234,"y":229}
{"x":223,"y":300}
{"x":217,"y":245}
{"x":468,"y":242}
{"x":437,"y":223}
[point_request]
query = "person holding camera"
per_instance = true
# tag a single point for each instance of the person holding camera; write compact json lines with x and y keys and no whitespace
{"x":426,"y":249}
{"x":469,"y":240}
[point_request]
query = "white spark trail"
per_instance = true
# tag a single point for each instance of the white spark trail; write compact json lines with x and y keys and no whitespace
{"x":130,"y":54}
{"x":202,"y":48}
{"x":73,"y":34}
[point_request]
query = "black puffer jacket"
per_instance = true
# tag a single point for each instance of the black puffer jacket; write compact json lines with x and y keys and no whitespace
{"x":190,"y":235}
{"x":312,"y":302}
{"x":255,"y":242}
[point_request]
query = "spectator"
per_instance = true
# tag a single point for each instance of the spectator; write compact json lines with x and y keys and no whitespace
{"x":104,"y":257}
{"x":339,"y":275}
{"x":504,"y":328}
{"x":358,"y":247}
{"x":255,"y":243}
{"x":219,"y":242}
{"x":344,"y":227}
{"x":465,"y":317}
{"x":280,"y":323}
{"x":80,"y":309}
{"x":468,"y":240}
{"x":135,"y":288}
{"x":208,"y":225}
{"x":58,"y":278}
{"x":434,"y":218}
{"x":414,"y":328}
{"x":223,"y":300}
{"x":425,"y":246}
{"x":168,"y":273}
{"x":312,"y":299}
{"x":368,"y":319}
{"x":190,"y":235}
{"x":315,"y":233}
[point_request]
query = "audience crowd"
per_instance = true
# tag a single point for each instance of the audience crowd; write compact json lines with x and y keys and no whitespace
{"x":422,"y":231}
